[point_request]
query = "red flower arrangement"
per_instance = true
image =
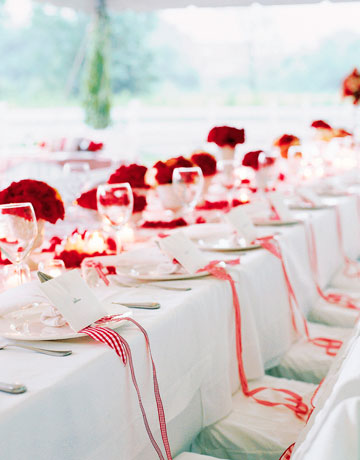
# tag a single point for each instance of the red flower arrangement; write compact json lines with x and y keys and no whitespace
{"x":46,"y":201}
{"x":88,"y":200}
{"x":134,"y":174}
{"x":226,"y":135}
{"x":320,"y":124}
{"x":180,"y":222}
{"x":213,"y":205}
{"x":251,"y":159}
{"x":351,"y":86}
{"x":285,"y":142}
{"x":205,"y":161}
{"x":165,"y":169}
{"x":94,"y":146}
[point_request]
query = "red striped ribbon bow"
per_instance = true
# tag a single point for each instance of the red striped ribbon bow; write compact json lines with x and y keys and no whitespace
{"x":99,"y":267}
{"x":114,"y":340}
{"x":343,"y":300}
{"x":331,"y":346}
{"x":293,"y":401}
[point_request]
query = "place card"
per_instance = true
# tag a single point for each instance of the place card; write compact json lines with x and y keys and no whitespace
{"x":73,"y":298}
{"x":258,"y":209}
{"x":309,"y":196}
{"x":181,"y":248}
{"x":278,"y":202}
{"x":242,"y":223}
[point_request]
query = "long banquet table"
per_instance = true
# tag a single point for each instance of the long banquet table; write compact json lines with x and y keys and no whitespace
{"x":84,"y":406}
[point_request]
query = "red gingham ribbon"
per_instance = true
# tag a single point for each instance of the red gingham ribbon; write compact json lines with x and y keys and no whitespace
{"x":331,"y":346}
{"x":343,"y":300}
{"x":352,"y":268}
{"x":114,"y":340}
{"x":287,"y":454}
{"x":294,"y":401}
{"x":99,"y":270}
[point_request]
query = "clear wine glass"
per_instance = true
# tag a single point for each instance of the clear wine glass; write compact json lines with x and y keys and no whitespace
{"x":115,"y":204}
{"x":188,"y":184}
{"x":76,"y":174}
{"x":18,"y":230}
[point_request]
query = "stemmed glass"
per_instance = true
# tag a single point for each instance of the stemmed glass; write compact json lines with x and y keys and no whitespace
{"x":76,"y":174}
{"x":115,"y":204}
{"x":188,"y":184}
{"x":18,"y":230}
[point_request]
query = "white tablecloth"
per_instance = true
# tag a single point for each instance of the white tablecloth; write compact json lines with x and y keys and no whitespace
{"x":84,"y":406}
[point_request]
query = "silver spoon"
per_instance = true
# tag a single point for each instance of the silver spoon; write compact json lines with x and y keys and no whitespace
{"x":13,"y":388}
{"x":44,"y":351}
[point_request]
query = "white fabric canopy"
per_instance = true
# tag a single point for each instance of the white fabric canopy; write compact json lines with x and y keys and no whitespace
{"x":143,"y":5}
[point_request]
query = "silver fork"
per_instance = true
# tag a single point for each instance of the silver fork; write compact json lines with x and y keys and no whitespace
{"x":160,"y":286}
{"x":44,"y":351}
{"x":13,"y":388}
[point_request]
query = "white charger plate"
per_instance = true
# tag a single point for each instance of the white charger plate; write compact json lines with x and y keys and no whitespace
{"x":26,"y":325}
{"x":275,"y":223}
{"x":152,"y":275}
{"x":226,"y":245}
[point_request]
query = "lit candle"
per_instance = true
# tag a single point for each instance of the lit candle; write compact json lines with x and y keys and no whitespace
{"x":94,"y":243}
{"x":126,"y":235}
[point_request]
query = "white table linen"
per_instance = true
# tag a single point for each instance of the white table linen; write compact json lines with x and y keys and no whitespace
{"x":84,"y":406}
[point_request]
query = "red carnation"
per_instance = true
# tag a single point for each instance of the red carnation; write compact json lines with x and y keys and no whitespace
{"x":165,"y":169}
{"x":351,"y":86}
{"x":212,"y":205}
{"x":46,"y":201}
{"x":180,"y":222}
{"x":94,"y":146}
{"x":134,"y":174}
{"x":206,"y":162}
{"x":88,"y":199}
{"x":251,"y":159}
{"x":320,"y":124}
{"x":226,"y":135}
{"x":139,"y":203}
{"x":73,"y":259}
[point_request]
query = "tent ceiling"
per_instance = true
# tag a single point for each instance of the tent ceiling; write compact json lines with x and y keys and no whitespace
{"x":146,"y":5}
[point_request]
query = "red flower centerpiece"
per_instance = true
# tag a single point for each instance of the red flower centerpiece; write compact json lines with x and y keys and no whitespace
{"x":351,"y":86}
{"x":207,"y":163}
{"x":323,"y":131}
{"x":163,"y":176}
{"x":227,"y":138}
{"x":260,"y":163}
{"x":134,"y":174}
{"x":284,"y":142}
{"x":46,"y":201}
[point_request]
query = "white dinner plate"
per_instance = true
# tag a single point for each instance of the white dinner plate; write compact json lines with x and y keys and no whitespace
{"x":147,"y":274}
{"x":26,"y":325}
{"x":275,"y":223}
{"x":226,"y":245}
{"x":305,"y":207}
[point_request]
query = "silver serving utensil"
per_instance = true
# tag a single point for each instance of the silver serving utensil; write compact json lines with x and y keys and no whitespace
{"x":159,"y":286}
{"x":44,"y":351}
{"x":144,"y":305}
{"x":13,"y":388}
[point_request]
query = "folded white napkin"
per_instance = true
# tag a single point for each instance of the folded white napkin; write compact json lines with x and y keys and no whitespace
{"x":18,"y":297}
{"x":169,"y":268}
{"x":52,"y":317}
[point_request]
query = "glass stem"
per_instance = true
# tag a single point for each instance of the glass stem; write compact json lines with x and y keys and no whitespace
{"x":18,"y":271}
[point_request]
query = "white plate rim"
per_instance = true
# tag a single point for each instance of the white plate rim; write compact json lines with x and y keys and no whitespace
{"x":71,"y":335}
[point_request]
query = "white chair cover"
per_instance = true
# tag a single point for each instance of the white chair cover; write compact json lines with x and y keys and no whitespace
{"x":253,"y":431}
{"x":334,"y":315}
{"x":190,"y":456}
{"x":306,"y":361}
{"x":341,"y":281}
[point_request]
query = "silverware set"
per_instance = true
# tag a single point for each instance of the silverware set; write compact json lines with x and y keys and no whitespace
{"x":155,"y":285}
